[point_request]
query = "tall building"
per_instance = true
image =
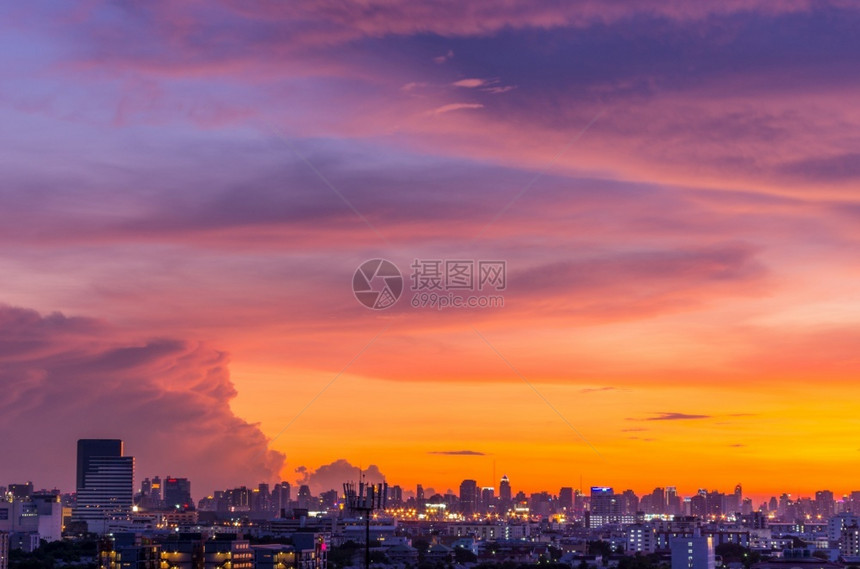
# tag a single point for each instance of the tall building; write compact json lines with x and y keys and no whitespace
{"x":488,"y":500}
{"x":825,"y":504}
{"x":395,"y":495}
{"x":89,"y":448}
{"x":505,"y":493}
{"x":281,"y":499}
{"x":468,"y":497}
{"x":155,"y":492}
{"x":305,"y":498}
{"x":105,"y":482}
{"x":695,"y":552}
{"x":565,"y":498}
{"x":605,"y":507}
{"x":177,"y":494}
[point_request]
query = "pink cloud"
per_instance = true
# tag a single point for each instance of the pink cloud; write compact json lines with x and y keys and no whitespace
{"x":69,"y":377}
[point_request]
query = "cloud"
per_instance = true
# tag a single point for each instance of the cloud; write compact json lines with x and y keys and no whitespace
{"x":599,"y":389}
{"x":458,"y":452}
{"x":737,"y":445}
{"x":456,"y":107}
{"x":470,"y":83}
{"x":333,"y":475}
{"x":634,"y":430}
{"x":676,"y":417}
{"x":67,"y":378}
{"x":443,"y":58}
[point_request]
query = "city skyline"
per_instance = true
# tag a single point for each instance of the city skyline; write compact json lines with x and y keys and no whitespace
{"x":332,"y":476}
{"x":653,"y":205}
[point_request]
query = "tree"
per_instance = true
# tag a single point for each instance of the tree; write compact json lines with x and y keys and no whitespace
{"x":599,"y":547}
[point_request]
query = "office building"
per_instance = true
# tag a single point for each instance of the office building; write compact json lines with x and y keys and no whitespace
{"x":468,"y":497}
{"x":605,"y":508}
{"x":177,"y":494}
{"x":105,"y":482}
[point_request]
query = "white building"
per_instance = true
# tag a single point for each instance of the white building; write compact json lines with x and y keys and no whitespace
{"x":694,"y":552}
{"x":849,"y":544}
{"x":837,"y":523}
{"x":41,"y":517}
{"x":641,"y":538}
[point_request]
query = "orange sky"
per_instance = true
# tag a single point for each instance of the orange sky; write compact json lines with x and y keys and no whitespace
{"x":673,"y":189}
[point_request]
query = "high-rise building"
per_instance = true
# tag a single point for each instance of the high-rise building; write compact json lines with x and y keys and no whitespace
{"x":488,"y":499}
{"x":305,"y":498}
{"x":281,"y":499}
{"x":629,"y":503}
{"x":89,"y":448}
{"x":605,"y":508}
{"x":395,"y":495}
{"x":565,"y":498}
{"x":825,"y":504}
{"x":155,"y":492}
{"x":505,"y":493}
{"x":468,"y":497}
{"x":105,"y":482}
{"x":177,"y":494}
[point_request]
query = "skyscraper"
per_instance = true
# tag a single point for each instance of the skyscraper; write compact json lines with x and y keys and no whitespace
{"x":89,"y":448}
{"x":105,"y":482}
{"x":505,"y":491}
{"x":468,"y":497}
{"x":605,"y":508}
{"x":565,"y":498}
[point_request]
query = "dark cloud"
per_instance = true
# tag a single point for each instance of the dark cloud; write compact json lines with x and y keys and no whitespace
{"x":599,"y":389}
{"x":332,"y":476}
{"x":67,"y":378}
{"x":458,"y":452}
{"x":675,"y":417}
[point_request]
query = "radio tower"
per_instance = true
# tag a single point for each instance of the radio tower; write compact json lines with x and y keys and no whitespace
{"x":364,"y":499}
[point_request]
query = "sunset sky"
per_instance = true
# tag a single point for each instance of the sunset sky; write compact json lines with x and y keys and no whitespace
{"x":186,"y":189}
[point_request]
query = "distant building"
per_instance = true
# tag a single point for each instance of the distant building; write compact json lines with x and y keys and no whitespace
{"x":505,"y":493}
{"x":177,"y":494}
{"x":605,"y":507}
{"x":20,"y":491}
{"x":695,"y":552}
{"x":468,"y":497}
{"x":565,"y":498}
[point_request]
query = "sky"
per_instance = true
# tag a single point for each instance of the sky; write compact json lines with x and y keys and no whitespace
{"x":188,"y":188}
